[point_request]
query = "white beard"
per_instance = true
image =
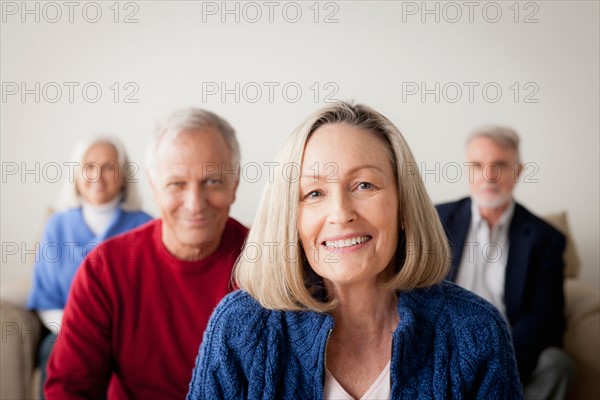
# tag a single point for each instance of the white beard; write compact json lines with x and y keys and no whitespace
{"x":496,"y":201}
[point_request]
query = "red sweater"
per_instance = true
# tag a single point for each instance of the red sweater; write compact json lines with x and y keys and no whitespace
{"x":135,"y":316}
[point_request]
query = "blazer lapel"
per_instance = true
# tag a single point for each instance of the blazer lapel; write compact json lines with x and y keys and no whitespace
{"x":458,"y":226}
{"x":520,"y":244}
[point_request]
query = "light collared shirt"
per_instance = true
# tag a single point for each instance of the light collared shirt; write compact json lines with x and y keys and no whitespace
{"x":482,"y":268}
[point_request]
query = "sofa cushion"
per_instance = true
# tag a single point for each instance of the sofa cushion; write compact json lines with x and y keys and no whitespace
{"x":572,"y":263}
{"x":21,"y":334}
{"x":582,"y":300}
{"x":582,"y":338}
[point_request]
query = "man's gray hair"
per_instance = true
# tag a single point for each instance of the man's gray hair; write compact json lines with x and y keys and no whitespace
{"x":193,"y":120}
{"x":502,"y":135}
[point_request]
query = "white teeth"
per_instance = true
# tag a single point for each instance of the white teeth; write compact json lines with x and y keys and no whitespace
{"x":347,"y":242}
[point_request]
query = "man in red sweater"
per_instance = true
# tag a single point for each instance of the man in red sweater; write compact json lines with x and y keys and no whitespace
{"x":140,"y":302}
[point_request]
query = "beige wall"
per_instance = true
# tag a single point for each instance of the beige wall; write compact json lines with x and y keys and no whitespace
{"x":378,"y":53}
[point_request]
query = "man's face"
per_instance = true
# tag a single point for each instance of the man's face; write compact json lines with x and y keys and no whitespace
{"x":495,"y":172}
{"x":194,"y":186}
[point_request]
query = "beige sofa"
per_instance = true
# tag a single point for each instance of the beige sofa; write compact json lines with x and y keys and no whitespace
{"x":21,"y":334}
{"x":582,"y":310}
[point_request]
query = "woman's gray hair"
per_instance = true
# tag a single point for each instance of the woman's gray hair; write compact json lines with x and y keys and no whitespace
{"x":502,"y":135}
{"x":130,"y":198}
{"x":287,"y":282}
{"x":192,"y":120}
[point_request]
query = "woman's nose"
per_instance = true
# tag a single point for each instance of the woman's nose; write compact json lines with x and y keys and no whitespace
{"x":341,"y":209}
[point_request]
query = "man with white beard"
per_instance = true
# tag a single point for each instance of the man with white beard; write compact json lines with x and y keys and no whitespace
{"x":513,"y":259}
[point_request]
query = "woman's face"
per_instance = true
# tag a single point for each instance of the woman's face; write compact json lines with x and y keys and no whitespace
{"x":348,"y":210}
{"x":100,"y":178}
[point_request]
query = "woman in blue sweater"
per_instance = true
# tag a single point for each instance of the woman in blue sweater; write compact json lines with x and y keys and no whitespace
{"x":100,"y":200}
{"x":342,"y":293}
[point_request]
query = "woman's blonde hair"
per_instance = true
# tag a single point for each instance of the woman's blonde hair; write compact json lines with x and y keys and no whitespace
{"x":130,"y":198}
{"x":273,"y":267}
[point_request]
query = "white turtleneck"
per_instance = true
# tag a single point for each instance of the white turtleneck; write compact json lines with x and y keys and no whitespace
{"x":98,"y":219}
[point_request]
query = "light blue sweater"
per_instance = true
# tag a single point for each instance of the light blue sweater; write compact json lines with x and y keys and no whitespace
{"x":449,"y":344}
{"x":65,"y":243}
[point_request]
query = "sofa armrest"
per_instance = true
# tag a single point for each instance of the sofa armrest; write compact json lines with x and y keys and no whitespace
{"x":582,"y":338}
{"x":21,"y":335}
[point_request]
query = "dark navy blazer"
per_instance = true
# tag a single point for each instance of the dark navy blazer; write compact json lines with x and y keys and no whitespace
{"x":533,"y":288}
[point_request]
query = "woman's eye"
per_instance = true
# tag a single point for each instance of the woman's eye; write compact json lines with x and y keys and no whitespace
{"x":313,"y":195}
{"x":365,"y":186}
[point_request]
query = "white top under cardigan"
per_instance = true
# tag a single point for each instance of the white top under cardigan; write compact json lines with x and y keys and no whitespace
{"x":380,"y":389}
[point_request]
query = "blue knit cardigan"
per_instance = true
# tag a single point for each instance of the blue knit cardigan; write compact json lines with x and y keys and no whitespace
{"x":449,"y":344}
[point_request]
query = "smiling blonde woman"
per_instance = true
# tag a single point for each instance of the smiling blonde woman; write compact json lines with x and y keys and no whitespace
{"x":341,"y":292}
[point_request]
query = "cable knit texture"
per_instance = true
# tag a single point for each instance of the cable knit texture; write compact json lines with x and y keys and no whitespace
{"x":449,"y":344}
{"x":135,"y":317}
